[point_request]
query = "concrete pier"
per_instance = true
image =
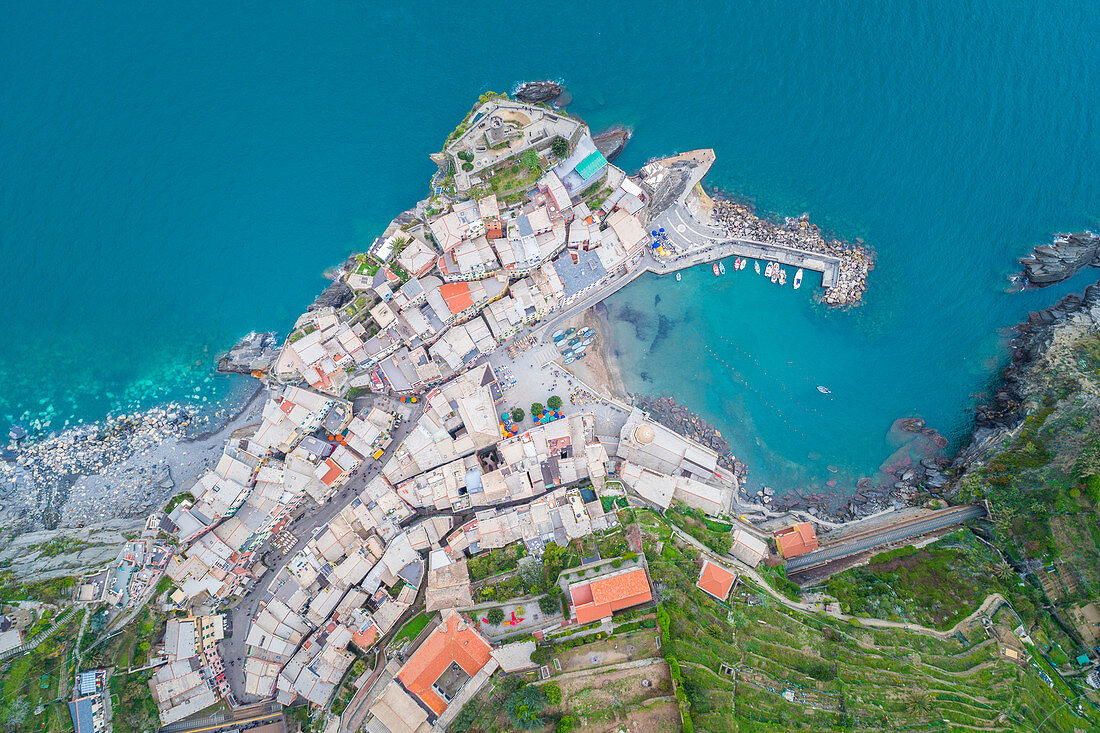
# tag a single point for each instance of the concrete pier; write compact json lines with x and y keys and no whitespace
{"x":704,"y":243}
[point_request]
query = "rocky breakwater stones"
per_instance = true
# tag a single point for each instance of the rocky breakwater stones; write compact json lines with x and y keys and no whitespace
{"x":254,"y":352}
{"x":1061,"y":259}
{"x":856,"y":261}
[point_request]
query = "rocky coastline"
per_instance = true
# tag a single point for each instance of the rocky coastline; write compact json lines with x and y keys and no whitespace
{"x":856,"y":260}
{"x":1018,"y":384}
{"x":254,"y":352}
{"x":1063,"y":258}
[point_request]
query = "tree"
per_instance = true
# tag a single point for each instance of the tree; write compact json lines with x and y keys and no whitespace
{"x":549,"y":604}
{"x":524,"y":707}
{"x":536,"y":410}
{"x":559,"y":147}
{"x":495,"y":616}
{"x":554,"y":403}
{"x":518,"y":414}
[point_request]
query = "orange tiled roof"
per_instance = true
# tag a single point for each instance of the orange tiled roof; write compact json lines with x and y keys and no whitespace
{"x":603,"y":596}
{"x":715,"y":580}
{"x":796,"y":540}
{"x":334,"y":472}
{"x":457,"y":296}
{"x":455,"y":640}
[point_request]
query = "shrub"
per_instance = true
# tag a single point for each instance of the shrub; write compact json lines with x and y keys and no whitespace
{"x":554,"y":403}
{"x":518,"y":414}
{"x":617,"y":563}
{"x":495,"y":616}
{"x":467,"y":167}
{"x":559,"y":147}
{"x":553,"y":692}
{"x":536,"y":409}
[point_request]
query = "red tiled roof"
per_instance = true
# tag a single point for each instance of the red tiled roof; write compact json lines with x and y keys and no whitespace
{"x":455,"y":640}
{"x":457,"y":296}
{"x":603,"y":596}
{"x":715,"y":580}
{"x":796,"y":540}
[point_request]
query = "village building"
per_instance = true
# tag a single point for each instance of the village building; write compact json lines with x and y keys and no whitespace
{"x":796,"y":540}
{"x":448,"y":668}
{"x":599,"y":598}
{"x":748,"y":548}
{"x":715,"y":580}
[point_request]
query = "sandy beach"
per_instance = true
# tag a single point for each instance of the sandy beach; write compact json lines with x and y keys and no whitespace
{"x":600,"y":367}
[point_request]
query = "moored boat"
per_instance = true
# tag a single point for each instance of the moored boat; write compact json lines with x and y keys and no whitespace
{"x":558,"y":335}
{"x":569,"y":359}
{"x":677,"y":277}
{"x":737,"y":264}
{"x":798,"y":279}
{"x":782,"y":276}
{"x":722,"y":267}
{"x":714,"y":269}
{"x":756,"y":264}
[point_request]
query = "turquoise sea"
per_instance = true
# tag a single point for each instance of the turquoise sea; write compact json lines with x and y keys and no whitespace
{"x":174,"y":177}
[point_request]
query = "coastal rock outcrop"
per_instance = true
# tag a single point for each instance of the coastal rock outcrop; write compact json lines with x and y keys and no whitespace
{"x":336,"y":295}
{"x":536,"y":92}
{"x":254,"y":352}
{"x":1061,"y":259}
{"x":612,"y":142}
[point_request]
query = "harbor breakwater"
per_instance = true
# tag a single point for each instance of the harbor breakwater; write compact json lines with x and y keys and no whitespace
{"x":856,"y":260}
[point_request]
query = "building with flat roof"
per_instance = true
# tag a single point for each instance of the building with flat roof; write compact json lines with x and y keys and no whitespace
{"x":796,"y":540}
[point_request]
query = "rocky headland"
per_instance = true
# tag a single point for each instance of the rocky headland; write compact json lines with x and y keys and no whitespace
{"x":1063,"y":258}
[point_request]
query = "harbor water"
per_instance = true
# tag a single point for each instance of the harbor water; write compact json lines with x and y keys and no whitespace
{"x":174,"y":179}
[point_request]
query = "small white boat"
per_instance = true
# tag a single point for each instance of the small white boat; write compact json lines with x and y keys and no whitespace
{"x":587,"y":341}
{"x":768,"y":270}
{"x":558,"y":335}
{"x":782,"y":276}
{"x":737,"y":264}
{"x":798,"y":279}
{"x":569,"y":359}
{"x":823,"y":390}
{"x":722,"y":267}
{"x":677,"y":277}
{"x":757,"y":266}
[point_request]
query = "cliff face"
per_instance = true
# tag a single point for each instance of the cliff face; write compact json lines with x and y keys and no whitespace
{"x":1035,"y":458}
